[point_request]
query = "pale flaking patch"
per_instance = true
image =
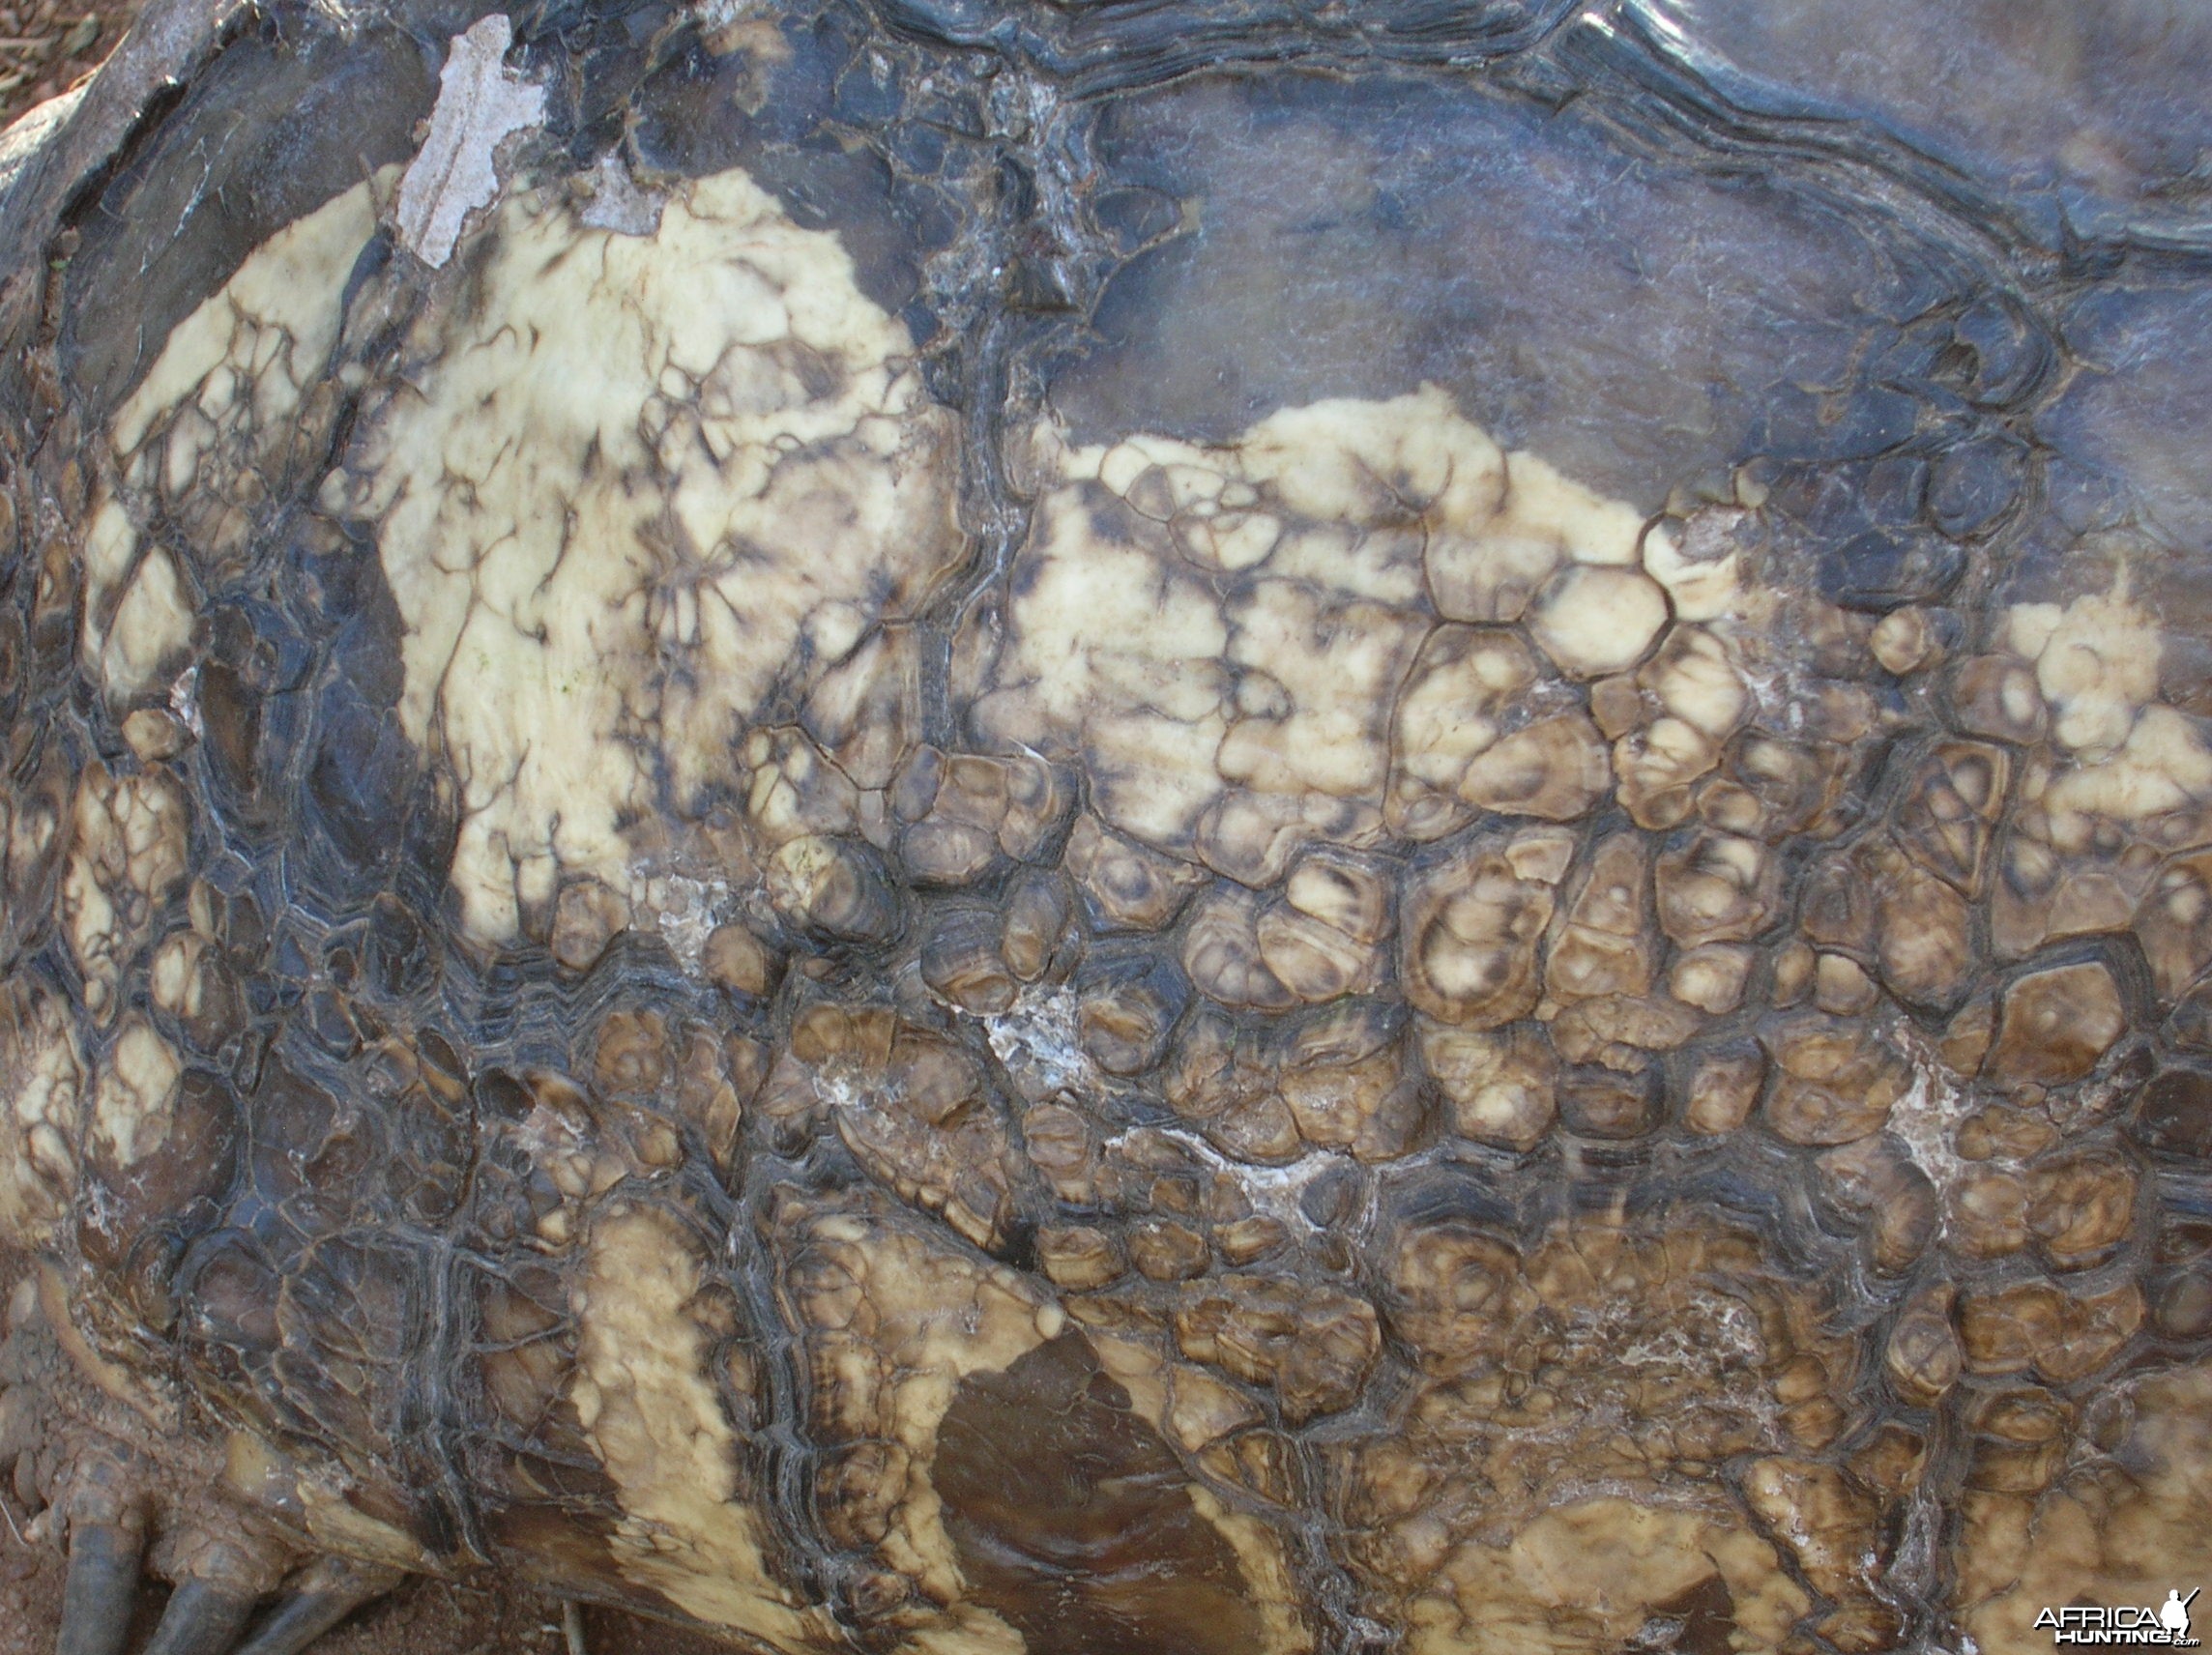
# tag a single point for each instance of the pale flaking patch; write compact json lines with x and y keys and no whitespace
{"x":272,"y":327}
{"x":480,"y":103}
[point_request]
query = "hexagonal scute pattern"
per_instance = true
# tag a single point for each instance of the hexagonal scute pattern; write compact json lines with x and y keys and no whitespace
{"x":1184,"y":829}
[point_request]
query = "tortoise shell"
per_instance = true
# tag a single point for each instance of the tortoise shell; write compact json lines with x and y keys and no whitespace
{"x":1187,"y":829}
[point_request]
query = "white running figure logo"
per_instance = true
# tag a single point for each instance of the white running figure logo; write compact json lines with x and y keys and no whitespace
{"x":2173,"y":1613}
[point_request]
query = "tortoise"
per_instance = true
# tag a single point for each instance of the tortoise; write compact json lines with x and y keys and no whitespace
{"x":1179,"y":826}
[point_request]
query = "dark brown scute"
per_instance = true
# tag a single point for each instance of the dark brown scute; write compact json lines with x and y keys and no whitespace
{"x":1697,"y":1620}
{"x":1073,"y":1519}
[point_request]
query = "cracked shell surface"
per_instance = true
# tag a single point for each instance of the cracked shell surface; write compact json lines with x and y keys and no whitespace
{"x":993,"y":831}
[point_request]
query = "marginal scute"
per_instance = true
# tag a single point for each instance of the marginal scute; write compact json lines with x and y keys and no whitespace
{"x":1500,"y":1087}
{"x":1658,"y":1566}
{"x":1603,"y":944}
{"x":2053,"y":1025}
{"x":1724,"y":1087}
{"x":1458,"y":701}
{"x":1836,"y":1080}
{"x":1313,"y":1344}
{"x":126,"y":858}
{"x":134,"y":1096}
{"x":1951,"y":804}
{"x":1344,"y":1076}
{"x":1718,"y":888}
{"x":2135,"y":1534}
{"x":1125,"y":886}
{"x":2174,"y":923}
{"x":137,"y":619}
{"x":835,"y":887}
{"x":1925,"y":942}
{"x":2096,"y":663}
{"x":923,"y":1125}
{"x":1077,"y":1523}
{"x":1686,"y":702}
{"x":235,"y":410}
{"x":1592,"y":621}
{"x":916,"y":1347}
{"x":962,"y":813}
{"x":1469,"y":1506}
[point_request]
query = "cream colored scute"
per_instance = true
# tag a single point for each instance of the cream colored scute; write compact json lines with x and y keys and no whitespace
{"x":626,"y":488}
{"x":135,"y":1103}
{"x":152,"y":626}
{"x":644,"y":1397}
{"x":2131,"y":758}
{"x":130,"y":632}
{"x":2096,"y":662}
{"x":2128,"y":1537}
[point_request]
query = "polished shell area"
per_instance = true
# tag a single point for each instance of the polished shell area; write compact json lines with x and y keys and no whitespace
{"x":992,"y":830}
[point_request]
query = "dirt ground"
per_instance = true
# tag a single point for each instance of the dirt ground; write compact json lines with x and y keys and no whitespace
{"x":46,"y":46}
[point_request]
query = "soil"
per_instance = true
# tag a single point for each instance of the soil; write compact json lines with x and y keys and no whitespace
{"x":46,"y":46}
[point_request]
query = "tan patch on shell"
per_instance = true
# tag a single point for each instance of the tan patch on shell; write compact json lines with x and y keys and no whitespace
{"x":1553,"y":1477}
{"x":41,"y":1081}
{"x":2117,"y":1532}
{"x":898,"y":1321}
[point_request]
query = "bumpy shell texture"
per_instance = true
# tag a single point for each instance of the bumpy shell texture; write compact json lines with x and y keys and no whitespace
{"x":1141,"y":829}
